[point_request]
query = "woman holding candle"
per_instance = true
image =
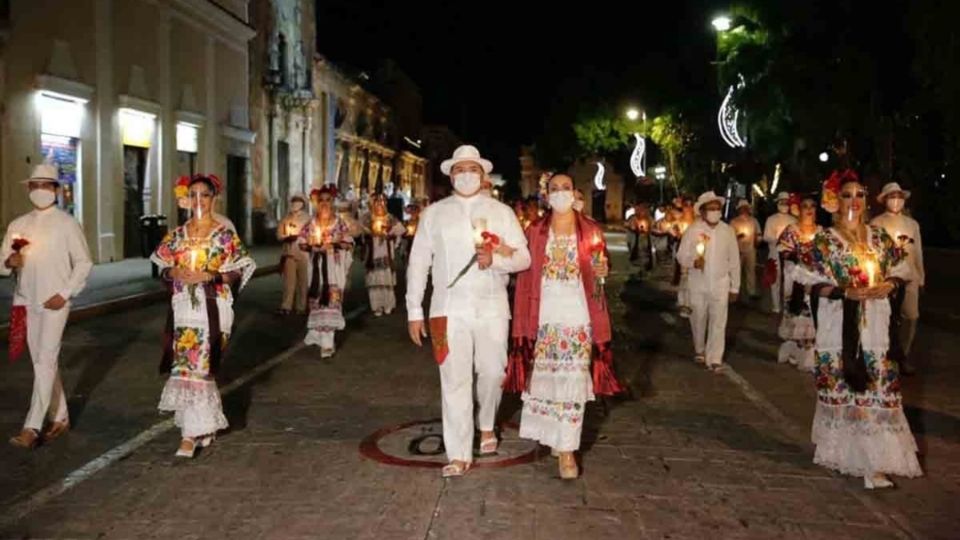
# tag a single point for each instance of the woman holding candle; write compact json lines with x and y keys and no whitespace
{"x":328,"y":242}
{"x":203,"y":263}
{"x":850,"y":272}
{"x":560,"y":326}
{"x":383,"y":230}
{"x":796,"y":324}
{"x":294,"y":263}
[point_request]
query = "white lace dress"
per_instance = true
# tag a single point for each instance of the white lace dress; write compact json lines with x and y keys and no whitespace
{"x":560,"y":385}
{"x":191,"y":392}
{"x":857,"y":433}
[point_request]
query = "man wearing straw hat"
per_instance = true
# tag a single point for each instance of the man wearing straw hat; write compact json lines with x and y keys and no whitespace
{"x":905,"y":231}
{"x":468,"y":244}
{"x":47,"y":251}
{"x":708,"y":252}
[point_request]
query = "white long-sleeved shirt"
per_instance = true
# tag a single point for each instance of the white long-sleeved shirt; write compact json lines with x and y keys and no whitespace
{"x":56,"y":261}
{"x":721,"y":268}
{"x":772,"y":230}
{"x":750,"y":227}
{"x":444,"y":244}
{"x":899,"y":224}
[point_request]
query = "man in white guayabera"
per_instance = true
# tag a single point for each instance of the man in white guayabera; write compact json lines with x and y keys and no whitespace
{"x":469,"y":244}
{"x":48,"y":253}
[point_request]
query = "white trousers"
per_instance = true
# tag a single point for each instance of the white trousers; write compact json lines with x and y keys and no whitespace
{"x":709,"y":324}
{"x":44,"y":333}
{"x":775,"y":299}
{"x":477,"y":346}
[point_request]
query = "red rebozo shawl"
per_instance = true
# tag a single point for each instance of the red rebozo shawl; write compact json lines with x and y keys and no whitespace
{"x":526,"y":311}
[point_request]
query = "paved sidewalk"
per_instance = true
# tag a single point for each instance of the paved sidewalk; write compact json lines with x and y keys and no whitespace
{"x":128,"y":279}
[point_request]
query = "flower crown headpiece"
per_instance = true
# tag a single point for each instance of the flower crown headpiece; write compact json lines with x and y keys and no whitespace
{"x":182,"y":188}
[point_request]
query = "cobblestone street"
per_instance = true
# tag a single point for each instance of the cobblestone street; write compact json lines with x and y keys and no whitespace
{"x":688,"y":454}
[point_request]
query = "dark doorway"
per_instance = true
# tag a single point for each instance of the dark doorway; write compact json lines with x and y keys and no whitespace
{"x":283,"y":175}
{"x":134,"y":172}
{"x":236,"y":191}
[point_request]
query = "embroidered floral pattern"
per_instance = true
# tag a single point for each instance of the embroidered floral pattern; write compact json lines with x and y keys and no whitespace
{"x":562,"y":348}
{"x":191,"y":358}
{"x":563,"y":412}
{"x":831,"y":257}
{"x":562,"y":263}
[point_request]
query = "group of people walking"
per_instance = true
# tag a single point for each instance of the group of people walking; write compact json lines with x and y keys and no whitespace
{"x":848,"y":294}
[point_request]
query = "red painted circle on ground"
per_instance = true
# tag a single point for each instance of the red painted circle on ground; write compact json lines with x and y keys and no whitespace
{"x":370,"y":448}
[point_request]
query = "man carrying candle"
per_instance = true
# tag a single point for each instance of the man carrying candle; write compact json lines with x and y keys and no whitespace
{"x":905,"y":231}
{"x":747,"y":229}
{"x":708,"y":252}
{"x":51,"y":268}
{"x":469,"y":312}
{"x":294,"y":262}
{"x":772,"y":230}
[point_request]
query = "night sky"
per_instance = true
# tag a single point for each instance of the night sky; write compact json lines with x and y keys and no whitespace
{"x":492,"y":70}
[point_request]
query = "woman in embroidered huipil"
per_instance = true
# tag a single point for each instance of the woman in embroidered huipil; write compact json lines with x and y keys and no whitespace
{"x":853,"y":272}
{"x":384,"y":230}
{"x":796,"y":324}
{"x":328,"y":241}
{"x":203,"y":262}
{"x":561,"y":325}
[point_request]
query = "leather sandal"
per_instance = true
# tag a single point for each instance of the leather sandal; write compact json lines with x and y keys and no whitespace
{"x":489,"y":446}
{"x":455,"y":469}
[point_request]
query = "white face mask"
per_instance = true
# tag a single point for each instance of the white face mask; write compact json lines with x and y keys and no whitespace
{"x":783,"y":208}
{"x":713,"y":217}
{"x":895,"y":205}
{"x":561,"y":201}
{"x":42,"y":198}
{"x":578,"y":205}
{"x":466,"y":183}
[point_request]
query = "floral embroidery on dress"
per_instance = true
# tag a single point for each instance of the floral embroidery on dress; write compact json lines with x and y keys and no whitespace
{"x":565,"y":412}
{"x":562,"y":348}
{"x":830,"y":256}
{"x":561,"y":263}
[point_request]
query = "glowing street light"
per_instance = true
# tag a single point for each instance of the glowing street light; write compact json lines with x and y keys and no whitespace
{"x":633,"y":114}
{"x":722,"y":23}
{"x":824,"y":157}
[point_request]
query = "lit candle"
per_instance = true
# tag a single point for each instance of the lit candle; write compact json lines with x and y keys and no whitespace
{"x":870,"y":267}
{"x":479,"y":227}
{"x":701,"y":249}
{"x":317,"y":237}
{"x":410,"y":229}
{"x":194,"y":255}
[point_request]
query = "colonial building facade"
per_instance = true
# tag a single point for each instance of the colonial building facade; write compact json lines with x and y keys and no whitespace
{"x":124,"y":96}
